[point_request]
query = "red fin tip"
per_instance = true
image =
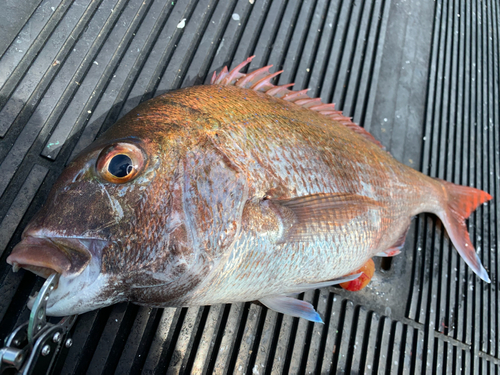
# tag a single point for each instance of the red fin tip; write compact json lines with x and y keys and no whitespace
{"x":461,"y":202}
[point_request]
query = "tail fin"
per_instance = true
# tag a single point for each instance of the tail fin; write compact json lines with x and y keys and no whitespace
{"x":462,"y":201}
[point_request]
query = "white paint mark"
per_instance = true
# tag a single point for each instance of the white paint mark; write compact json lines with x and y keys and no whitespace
{"x":220,"y":46}
{"x":181,"y":24}
{"x":236,"y":16}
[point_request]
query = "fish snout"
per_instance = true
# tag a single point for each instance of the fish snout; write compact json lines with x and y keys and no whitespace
{"x":46,"y":255}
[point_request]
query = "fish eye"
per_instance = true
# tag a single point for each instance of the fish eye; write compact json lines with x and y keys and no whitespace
{"x":120,"y":162}
{"x":120,"y":166}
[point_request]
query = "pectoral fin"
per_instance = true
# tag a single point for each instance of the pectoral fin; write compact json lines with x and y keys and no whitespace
{"x":318,"y":214}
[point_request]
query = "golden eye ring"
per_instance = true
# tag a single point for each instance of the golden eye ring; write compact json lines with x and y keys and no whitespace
{"x":120,"y":162}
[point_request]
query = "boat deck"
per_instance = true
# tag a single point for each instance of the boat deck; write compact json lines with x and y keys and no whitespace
{"x":421,"y":76}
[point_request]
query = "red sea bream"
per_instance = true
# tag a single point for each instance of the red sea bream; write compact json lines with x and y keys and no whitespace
{"x":235,"y":191}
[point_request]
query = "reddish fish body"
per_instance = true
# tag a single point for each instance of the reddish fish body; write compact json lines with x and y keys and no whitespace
{"x":235,"y":191}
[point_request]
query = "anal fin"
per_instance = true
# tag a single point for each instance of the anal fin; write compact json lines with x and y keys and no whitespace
{"x":390,"y":252}
{"x":396,"y":248}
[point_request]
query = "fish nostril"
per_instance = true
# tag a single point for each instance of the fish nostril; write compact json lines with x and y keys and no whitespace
{"x":32,"y":231}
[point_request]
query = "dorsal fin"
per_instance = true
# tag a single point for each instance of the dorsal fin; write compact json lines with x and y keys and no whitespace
{"x":260,"y":80}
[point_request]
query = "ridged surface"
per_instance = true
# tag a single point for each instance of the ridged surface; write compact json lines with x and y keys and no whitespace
{"x":423,"y":78}
{"x":461,"y":145}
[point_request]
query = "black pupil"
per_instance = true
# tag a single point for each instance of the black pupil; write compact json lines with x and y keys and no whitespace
{"x":120,"y":166}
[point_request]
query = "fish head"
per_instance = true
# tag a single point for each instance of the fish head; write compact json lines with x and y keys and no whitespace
{"x":113,"y":225}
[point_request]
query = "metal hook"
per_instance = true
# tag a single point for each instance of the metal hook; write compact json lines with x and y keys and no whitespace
{"x":38,"y":318}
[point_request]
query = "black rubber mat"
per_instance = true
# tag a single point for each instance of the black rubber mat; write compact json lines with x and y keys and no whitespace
{"x":422,"y":77}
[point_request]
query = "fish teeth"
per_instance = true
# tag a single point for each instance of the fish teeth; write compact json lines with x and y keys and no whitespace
{"x":15,"y":267}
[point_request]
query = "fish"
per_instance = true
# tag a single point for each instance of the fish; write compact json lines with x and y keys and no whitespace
{"x":235,"y":191}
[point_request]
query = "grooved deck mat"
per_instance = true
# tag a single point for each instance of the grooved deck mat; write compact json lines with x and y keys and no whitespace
{"x":422,"y":77}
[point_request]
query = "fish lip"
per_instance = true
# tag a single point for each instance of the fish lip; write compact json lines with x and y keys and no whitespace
{"x":42,"y":255}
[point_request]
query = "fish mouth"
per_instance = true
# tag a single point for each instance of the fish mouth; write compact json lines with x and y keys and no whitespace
{"x":45,"y":255}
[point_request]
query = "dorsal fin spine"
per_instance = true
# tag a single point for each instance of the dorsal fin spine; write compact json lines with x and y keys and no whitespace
{"x":260,"y":80}
{"x":308,"y":103}
{"x":279,"y":91}
{"x":265,"y":83}
{"x":248,"y":80}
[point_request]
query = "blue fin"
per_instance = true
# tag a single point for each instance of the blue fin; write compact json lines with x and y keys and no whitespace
{"x":292,"y":306}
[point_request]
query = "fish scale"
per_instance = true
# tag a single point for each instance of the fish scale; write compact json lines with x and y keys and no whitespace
{"x":235,"y":191}
{"x":283,"y":267}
